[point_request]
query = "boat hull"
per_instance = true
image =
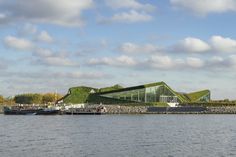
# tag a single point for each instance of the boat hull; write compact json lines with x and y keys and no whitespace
{"x":8,"y":111}
{"x":52,"y":112}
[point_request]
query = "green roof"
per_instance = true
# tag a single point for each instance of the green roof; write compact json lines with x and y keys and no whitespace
{"x":78,"y":94}
{"x":183,"y":97}
{"x":83,"y":94}
{"x":195,"y":96}
{"x":134,"y":87}
{"x":111,"y":88}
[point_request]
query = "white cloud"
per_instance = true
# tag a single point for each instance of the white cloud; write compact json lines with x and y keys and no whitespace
{"x":232,"y":61}
{"x":163,"y":62}
{"x":125,"y":60}
{"x":41,"y":56}
{"x":45,"y":37}
{"x":153,"y":62}
{"x":3,"y":64}
{"x":48,"y":75}
{"x":226,"y":63}
{"x":43,"y":52}
{"x":222,"y":44}
{"x":114,"y":61}
{"x":192,"y":45}
{"x":131,"y":17}
{"x":216,"y":60}
{"x":195,"y":62}
{"x":130,"y":4}
{"x":28,"y":29}
{"x":65,"y":13}
{"x":56,"y":61}
{"x":18,"y":43}
{"x":50,"y":58}
{"x":129,"y":47}
{"x":127,"y":17}
{"x":31,"y":30}
{"x":83,"y":75}
{"x":160,"y":62}
{"x":2,"y":16}
{"x":204,"y":7}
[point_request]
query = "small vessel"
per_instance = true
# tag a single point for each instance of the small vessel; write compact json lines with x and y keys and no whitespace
{"x":87,"y":111}
{"x":17,"y":110}
{"x":48,"y":111}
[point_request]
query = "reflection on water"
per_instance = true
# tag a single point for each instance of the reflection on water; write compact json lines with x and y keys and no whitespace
{"x":118,"y":135}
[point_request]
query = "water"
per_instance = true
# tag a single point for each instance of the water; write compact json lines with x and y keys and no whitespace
{"x":118,"y":135}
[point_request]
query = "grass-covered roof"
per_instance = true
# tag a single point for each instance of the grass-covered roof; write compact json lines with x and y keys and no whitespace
{"x":195,"y":96}
{"x":83,"y":94}
{"x":134,"y":87}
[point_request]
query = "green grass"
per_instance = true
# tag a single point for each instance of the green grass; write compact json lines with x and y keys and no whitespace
{"x":82,"y":94}
{"x":195,"y":96}
{"x":107,"y":89}
{"x":77,"y":95}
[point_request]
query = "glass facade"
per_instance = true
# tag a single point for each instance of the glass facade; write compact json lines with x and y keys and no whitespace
{"x":205,"y":98}
{"x":150,"y":94}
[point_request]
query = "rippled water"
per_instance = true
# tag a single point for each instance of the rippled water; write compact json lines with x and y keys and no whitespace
{"x":118,"y":135}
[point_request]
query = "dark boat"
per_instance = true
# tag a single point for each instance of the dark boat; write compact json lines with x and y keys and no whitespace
{"x":48,"y":112}
{"x":87,"y":111}
{"x":29,"y":111}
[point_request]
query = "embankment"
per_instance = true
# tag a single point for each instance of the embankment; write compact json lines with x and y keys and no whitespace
{"x":120,"y":109}
{"x":221,"y":110}
{"x":117,"y":109}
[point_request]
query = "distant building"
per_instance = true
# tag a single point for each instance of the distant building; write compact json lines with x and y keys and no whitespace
{"x":153,"y":92}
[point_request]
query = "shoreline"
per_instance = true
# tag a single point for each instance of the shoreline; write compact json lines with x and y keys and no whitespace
{"x":111,"y":109}
{"x":119,"y":109}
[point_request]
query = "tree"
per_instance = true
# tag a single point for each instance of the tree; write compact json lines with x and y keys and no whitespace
{"x":50,"y":97}
{"x":28,"y":98}
{"x":1,"y":99}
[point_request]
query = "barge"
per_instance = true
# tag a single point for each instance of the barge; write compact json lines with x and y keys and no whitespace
{"x":29,"y":111}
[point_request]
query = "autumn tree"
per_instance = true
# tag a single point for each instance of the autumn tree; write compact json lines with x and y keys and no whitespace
{"x":1,"y":99}
{"x":50,"y":97}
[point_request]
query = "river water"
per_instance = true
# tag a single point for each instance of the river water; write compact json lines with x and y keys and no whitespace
{"x":118,"y":135}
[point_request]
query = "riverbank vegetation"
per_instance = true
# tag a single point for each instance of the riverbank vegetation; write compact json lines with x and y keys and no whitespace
{"x":1,"y":99}
{"x":31,"y":98}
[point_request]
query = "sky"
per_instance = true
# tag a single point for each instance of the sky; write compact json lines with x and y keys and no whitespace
{"x":51,"y":45}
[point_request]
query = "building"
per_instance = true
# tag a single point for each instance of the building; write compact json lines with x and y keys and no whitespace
{"x":148,"y":93}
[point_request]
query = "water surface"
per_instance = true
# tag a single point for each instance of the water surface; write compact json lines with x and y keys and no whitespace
{"x":118,"y":135}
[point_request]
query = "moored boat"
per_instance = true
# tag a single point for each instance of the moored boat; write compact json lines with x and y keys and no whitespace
{"x":48,"y":112}
{"x":29,"y":111}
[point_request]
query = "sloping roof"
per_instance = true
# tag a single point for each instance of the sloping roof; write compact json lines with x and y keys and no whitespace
{"x":78,"y":94}
{"x":111,"y":88}
{"x":134,"y":87}
{"x":195,"y":96}
{"x":81,"y":94}
{"x":183,"y":97}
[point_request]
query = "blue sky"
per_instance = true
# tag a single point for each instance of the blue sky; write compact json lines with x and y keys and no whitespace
{"x":49,"y":46}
